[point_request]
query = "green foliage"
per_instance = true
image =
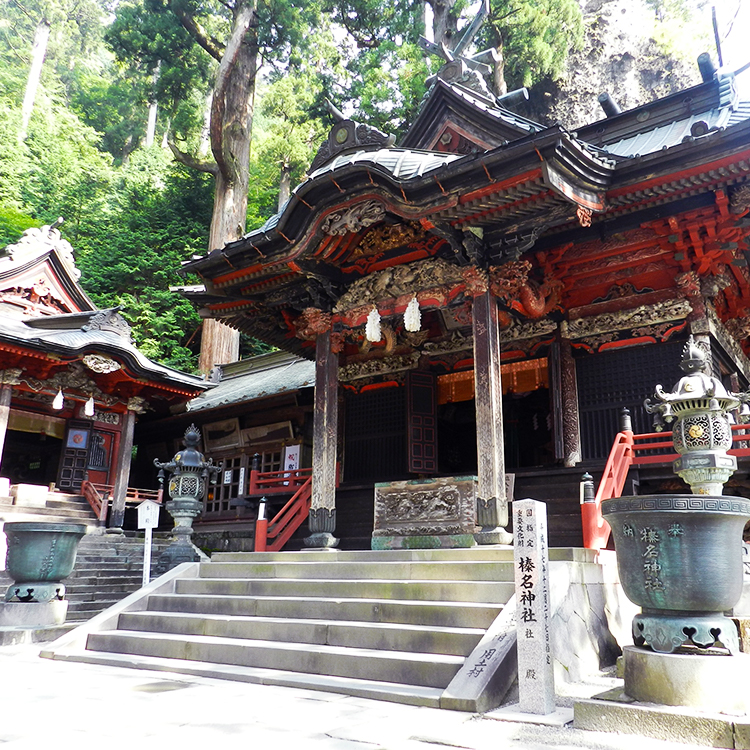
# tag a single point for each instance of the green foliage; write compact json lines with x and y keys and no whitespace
{"x":388,"y":85}
{"x":13,"y":223}
{"x":159,"y":213}
{"x":535,"y":36}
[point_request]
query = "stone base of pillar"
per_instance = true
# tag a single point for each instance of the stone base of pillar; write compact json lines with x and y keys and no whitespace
{"x":33,"y":614}
{"x":322,"y":523}
{"x":321,"y":540}
{"x":178,"y":552}
{"x":497,"y":535}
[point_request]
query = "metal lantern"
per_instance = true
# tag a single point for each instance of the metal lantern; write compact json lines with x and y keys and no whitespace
{"x":188,"y":474}
{"x":698,"y":409}
{"x":680,"y":556}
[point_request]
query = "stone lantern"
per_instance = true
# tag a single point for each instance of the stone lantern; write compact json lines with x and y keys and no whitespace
{"x":188,"y":473}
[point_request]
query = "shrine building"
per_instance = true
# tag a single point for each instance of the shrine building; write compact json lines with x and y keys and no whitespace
{"x":72,"y":383}
{"x":483,"y":299}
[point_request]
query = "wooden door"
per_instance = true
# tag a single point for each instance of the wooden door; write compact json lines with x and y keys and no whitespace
{"x":422,"y":391}
{"x":74,"y":459}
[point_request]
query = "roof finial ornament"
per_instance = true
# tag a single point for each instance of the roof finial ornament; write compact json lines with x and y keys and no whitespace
{"x":335,"y":112}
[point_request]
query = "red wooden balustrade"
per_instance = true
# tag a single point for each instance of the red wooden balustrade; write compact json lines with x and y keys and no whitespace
{"x":99,"y":497}
{"x":637,"y":450}
{"x":274,"y":534}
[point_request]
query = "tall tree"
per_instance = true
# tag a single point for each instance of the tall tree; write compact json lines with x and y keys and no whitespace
{"x":65,"y":28}
{"x":237,"y":35}
{"x":532,"y":39}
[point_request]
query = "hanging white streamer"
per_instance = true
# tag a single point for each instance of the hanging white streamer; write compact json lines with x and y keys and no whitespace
{"x":58,"y":402}
{"x":88,"y":407}
{"x":372,"y":329}
{"x":412,"y":316}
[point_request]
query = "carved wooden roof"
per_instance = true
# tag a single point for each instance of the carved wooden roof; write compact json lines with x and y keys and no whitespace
{"x":591,"y":226}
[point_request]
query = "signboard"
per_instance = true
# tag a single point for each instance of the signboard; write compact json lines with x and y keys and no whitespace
{"x":148,"y":518}
{"x":536,"y":680}
{"x":148,"y":514}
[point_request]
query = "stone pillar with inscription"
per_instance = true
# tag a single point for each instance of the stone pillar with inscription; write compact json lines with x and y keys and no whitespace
{"x":571,"y":428}
{"x":536,"y":678}
{"x":136,"y":405}
{"x":322,"y":519}
{"x":492,"y":502}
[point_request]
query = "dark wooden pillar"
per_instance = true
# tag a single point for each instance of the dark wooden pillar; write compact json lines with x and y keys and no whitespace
{"x":322,"y":520}
{"x":124,"y":454}
{"x":492,"y":503}
{"x":571,"y":429}
{"x":5,"y":393}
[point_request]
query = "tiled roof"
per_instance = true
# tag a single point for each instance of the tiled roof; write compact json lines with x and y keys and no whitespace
{"x":41,"y":334}
{"x":266,"y":375}
{"x":678,"y":131}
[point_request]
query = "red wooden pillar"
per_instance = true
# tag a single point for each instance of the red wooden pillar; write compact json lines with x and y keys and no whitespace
{"x":322,"y":518}
{"x":492,"y":503}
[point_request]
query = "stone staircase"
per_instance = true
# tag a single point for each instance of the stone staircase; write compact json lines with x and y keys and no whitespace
{"x":392,"y":625}
{"x":108,"y":568}
{"x":57,"y":508}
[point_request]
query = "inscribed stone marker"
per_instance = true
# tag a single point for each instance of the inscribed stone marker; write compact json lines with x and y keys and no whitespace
{"x":536,"y":682}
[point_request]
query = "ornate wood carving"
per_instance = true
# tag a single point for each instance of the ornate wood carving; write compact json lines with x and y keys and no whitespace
{"x":312,"y":323}
{"x":354,"y":218}
{"x":379,"y":366}
{"x":739,"y":199}
{"x":624,"y":319}
{"x":388,"y":237}
{"x":100,"y":363}
{"x":511,"y":284}
{"x":399,"y":280}
{"x":111,"y":321}
{"x":571,"y":428}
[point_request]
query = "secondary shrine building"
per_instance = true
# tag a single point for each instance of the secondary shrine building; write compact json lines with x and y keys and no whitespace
{"x":483,"y":299}
{"x":72,"y":383}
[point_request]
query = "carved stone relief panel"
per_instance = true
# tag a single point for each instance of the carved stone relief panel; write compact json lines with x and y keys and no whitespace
{"x":434,"y":507}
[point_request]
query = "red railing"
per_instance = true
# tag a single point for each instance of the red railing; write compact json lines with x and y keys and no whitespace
{"x":99,"y":497}
{"x":637,"y":450}
{"x":274,"y":534}
{"x":277,"y":482}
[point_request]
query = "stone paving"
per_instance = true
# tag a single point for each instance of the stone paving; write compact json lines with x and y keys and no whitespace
{"x":88,"y":706}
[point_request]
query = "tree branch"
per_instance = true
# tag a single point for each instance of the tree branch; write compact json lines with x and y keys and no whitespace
{"x":192,"y":162}
{"x":199,"y":34}
{"x":244,"y":20}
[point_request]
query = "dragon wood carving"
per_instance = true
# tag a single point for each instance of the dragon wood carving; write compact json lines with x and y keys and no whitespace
{"x":511,"y":284}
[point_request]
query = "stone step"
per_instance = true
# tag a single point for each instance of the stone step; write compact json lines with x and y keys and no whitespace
{"x":363,"y":688}
{"x":488,"y":592}
{"x":435,"y":639}
{"x":76,"y":583}
{"x":12,"y":513}
{"x":377,"y":570}
{"x":478,"y":553}
{"x":449,"y":614}
{"x":425,"y":670}
{"x":92,"y":605}
{"x":87,"y":590}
